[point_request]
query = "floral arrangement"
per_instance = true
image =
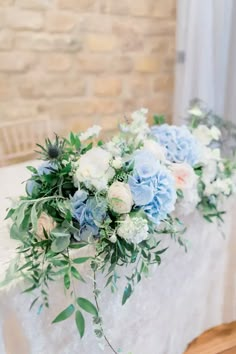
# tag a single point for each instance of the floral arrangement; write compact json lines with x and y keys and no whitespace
{"x":116,"y":197}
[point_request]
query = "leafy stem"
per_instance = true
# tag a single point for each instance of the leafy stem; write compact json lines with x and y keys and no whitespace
{"x":95,"y":292}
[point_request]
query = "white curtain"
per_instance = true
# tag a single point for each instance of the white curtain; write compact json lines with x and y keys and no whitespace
{"x":206,"y":55}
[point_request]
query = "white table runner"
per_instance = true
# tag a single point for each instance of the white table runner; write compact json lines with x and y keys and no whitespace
{"x":185,"y":296}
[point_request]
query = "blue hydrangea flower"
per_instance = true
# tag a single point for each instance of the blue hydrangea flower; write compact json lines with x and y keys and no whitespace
{"x":152,"y":187}
{"x":180,"y":144}
{"x":89,"y":212}
{"x":46,"y":168}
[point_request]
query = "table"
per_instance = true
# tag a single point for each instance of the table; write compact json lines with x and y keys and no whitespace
{"x":188,"y":294}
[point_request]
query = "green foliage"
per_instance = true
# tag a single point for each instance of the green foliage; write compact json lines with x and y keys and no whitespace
{"x":158,"y":119}
{"x":65,"y":314}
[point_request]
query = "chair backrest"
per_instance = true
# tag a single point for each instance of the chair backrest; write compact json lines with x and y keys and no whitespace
{"x":18,"y":139}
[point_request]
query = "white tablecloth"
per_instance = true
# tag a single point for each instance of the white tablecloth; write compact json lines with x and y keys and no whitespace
{"x":186,"y":295}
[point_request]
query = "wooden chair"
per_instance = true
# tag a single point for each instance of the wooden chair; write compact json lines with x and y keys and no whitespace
{"x":18,"y":139}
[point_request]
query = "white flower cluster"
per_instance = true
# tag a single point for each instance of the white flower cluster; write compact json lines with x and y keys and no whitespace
{"x":133,"y":229}
{"x":90,"y":133}
{"x":94,"y":169}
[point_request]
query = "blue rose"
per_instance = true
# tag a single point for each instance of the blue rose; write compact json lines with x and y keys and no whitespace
{"x":180,"y":144}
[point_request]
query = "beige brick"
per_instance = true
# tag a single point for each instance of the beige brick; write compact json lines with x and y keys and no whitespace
{"x":60,"y":21}
{"x":47,"y":42}
{"x":73,"y":107}
{"x":163,"y":9}
{"x":91,"y":63}
{"x":7,"y":87}
{"x":56,"y":61}
{"x":139,"y":86}
{"x":120,"y":7}
{"x":121,"y":64}
{"x":78,"y":5}
{"x":140,"y":8}
{"x":6,"y":2}
{"x":164,"y":83}
{"x":100,"y":42}
{"x":104,"y":86}
{"x":24,"y":19}
{"x":93,"y":22}
{"x":18,"y":109}
{"x":34,"y":4}
{"x":15,"y":61}
{"x":147,"y":64}
{"x":37,"y":85}
{"x":6,"y":40}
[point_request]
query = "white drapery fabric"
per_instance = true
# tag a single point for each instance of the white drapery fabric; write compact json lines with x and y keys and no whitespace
{"x":206,"y":56}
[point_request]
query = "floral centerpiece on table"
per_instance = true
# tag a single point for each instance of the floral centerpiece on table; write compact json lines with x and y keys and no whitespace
{"x":120,"y":197}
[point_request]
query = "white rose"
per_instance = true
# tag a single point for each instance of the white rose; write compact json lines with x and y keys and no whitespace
{"x":156,"y":149}
{"x":188,"y":203}
{"x":203,"y":134}
{"x":215,"y":133}
{"x":94,"y":169}
{"x":209,"y":171}
{"x":117,"y":163}
{"x":184,"y":175}
{"x":133,"y":229}
{"x":120,"y":197}
{"x":45,"y":222}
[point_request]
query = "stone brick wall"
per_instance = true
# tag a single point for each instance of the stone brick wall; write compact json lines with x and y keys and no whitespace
{"x":85,"y":61}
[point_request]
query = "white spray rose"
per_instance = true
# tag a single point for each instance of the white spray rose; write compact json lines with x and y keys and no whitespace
{"x":205,"y":135}
{"x":92,"y":132}
{"x":219,"y":186}
{"x":156,"y":149}
{"x":184,"y":175}
{"x":94,"y":169}
{"x":120,"y":197}
{"x":45,"y":222}
{"x":133,"y":229}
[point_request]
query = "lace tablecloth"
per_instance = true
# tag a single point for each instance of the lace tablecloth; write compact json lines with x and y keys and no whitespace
{"x":185,"y":296}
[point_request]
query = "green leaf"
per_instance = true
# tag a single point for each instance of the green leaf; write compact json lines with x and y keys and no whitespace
{"x":67,"y":281}
{"x":87,"y":306}
{"x":34,"y":217}
{"x":159,"y":119}
{"x":64,"y":314}
{"x":15,"y":233}
{"x":76,"y":274}
{"x":78,"y":245}
{"x":60,"y":232}
{"x":127,"y":294}
{"x":81,"y":260}
{"x":9,"y":213}
{"x":21,"y":213}
{"x":32,"y":169}
{"x":80,"y":323}
{"x":60,"y":244}
{"x":33,"y":303}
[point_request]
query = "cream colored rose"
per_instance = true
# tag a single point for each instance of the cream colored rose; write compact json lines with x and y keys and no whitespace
{"x":184,"y":175}
{"x":156,"y":149}
{"x":45,"y":222}
{"x":120,"y":197}
{"x":94,"y":169}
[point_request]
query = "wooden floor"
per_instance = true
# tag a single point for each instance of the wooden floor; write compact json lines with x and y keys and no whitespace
{"x":218,"y":340}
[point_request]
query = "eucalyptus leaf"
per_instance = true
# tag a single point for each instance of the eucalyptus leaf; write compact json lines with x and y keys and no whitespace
{"x":80,"y":323}
{"x":127,"y":294}
{"x":64,"y":314}
{"x":34,"y":217}
{"x":76,"y":274}
{"x":60,"y":244}
{"x":81,"y":260}
{"x":87,"y":306}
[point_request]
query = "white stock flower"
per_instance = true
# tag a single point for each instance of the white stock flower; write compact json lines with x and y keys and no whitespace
{"x":139,"y":125}
{"x":133,"y":229}
{"x":120,"y":197}
{"x":45,"y":222}
{"x":184,"y":175}
{"x":205,"y":135}
{"x":219,"y":186}
{"x":156,"y":149}
{"x":94,"y":169}
{"x":92,"y":132}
